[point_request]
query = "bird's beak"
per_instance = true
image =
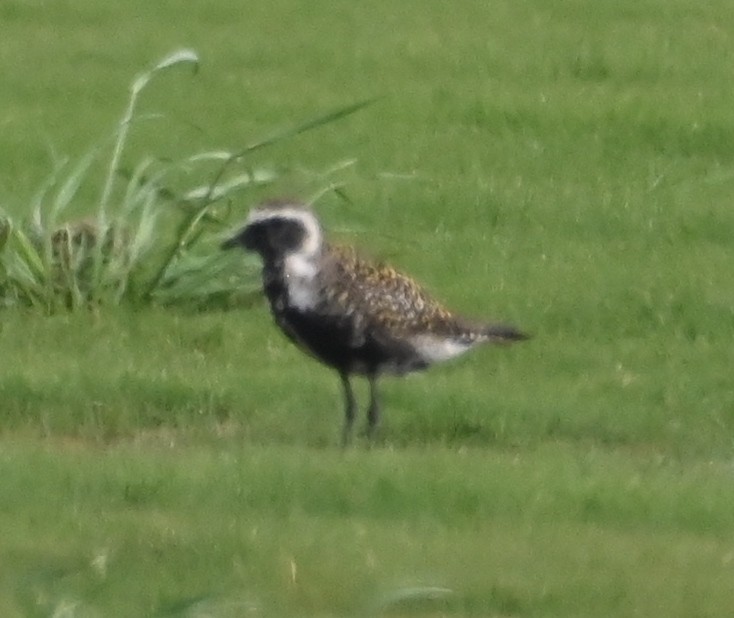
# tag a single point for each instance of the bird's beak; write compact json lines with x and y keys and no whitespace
{"x":230,"y":243}
{"x":233,"y":241}
{"x":241,"y":238}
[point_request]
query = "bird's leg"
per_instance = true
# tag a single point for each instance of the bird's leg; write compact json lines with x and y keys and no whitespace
{"x":350,"y":408}
{"x":373,"y":412}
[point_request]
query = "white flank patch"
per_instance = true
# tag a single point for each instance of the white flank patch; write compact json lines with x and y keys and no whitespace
{"x":434,"y":349}
{"x":300,"y":277}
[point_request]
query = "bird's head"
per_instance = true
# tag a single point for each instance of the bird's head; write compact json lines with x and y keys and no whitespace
{"x":279,"y":228}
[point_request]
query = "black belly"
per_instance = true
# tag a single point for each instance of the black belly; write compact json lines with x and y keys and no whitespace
{"x":332,"y":341}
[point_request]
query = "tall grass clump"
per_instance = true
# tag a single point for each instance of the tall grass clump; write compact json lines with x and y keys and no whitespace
{"x":143,"y":243}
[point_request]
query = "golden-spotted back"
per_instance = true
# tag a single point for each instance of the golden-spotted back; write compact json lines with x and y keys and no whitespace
{"x":382,"y":296}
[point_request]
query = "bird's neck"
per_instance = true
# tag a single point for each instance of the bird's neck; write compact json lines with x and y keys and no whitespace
{"x":292,"y":280}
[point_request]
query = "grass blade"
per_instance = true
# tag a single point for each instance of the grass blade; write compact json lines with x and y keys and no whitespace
{"x":286,"y":133}
{"x":29,"y":255}
{"x":71,"y":185}
{"x":5,"y":227}
{"x":257,"y":177}
{"x":187,"y":56}
{"x":312,"y":123}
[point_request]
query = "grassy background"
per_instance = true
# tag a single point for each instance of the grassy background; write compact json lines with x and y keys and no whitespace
{"x":564,"y":165}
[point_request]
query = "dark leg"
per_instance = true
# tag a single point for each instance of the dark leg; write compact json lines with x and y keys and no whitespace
{"x":373,"y":412}
{"x":350,"y":408}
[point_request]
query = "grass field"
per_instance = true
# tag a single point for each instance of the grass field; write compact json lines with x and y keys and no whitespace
{"x":566,"y":166}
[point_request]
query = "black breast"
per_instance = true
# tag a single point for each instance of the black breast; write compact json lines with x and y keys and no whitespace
{"x":327,"y":338}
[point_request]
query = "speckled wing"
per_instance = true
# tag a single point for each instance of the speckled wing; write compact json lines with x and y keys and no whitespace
{"x":378,"y":299}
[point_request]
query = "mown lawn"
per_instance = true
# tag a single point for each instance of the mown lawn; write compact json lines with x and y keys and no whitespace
{"x":565,"y":166}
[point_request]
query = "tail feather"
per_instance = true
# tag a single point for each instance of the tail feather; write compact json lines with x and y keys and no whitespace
{"x":504,"y":333}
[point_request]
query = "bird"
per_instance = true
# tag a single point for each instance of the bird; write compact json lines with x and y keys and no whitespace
{"x":358,"y":316}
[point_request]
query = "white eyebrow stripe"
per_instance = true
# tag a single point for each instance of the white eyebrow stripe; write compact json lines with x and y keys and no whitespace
{"x":263,"y":214}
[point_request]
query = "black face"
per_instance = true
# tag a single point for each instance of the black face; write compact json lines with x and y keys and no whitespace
{"x":270,"y":238}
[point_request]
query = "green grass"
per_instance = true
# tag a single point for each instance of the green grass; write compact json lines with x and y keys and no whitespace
{"x":295,"y":531}
{"x":563,"y":165}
